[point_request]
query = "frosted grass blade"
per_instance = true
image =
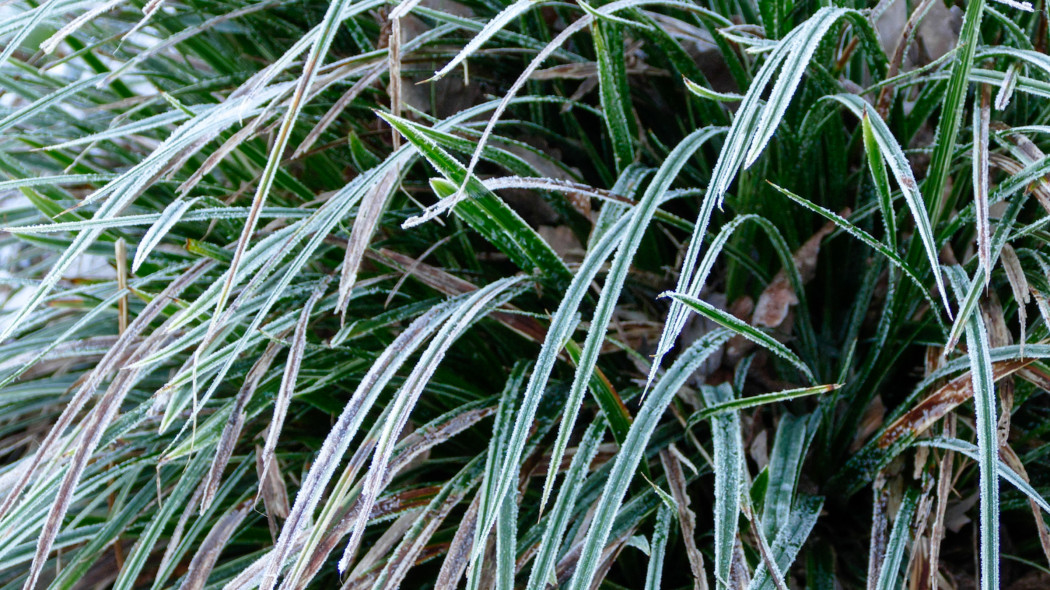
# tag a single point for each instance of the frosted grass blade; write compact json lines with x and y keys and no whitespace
{"x":747,"y":331}
{"x":901,"y":169}
{"x":729,"y":478}
{"x":658,"y":547}
{"x":168,"y":218}
{"x":564,"y":505}
{"x":626,"y":463}
{"x":984,"y":400}
{"x":898,"y":543}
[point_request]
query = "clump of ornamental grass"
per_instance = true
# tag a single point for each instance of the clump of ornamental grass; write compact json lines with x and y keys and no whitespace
{"x":438,"y":294}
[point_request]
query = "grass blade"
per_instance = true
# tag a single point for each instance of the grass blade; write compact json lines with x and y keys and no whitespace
{"x":751,"y":333}
{"x":951,"y":109}
{"x":987,"y":441}
{"x":658,"y":547}
{"x":898,"y":543}
{"x":981,"y":110}
{"x":729,"y":478}
{"x":626,"y":463}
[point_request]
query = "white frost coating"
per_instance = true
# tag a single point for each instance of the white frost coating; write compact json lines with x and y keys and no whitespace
{"x":168,"y":218}
{"x":462,"y":317}
{"x":800,"y":49}
{"x":491,"y":28}
{"x":626,"y":463}
{"x":561,"y":327}
{"x":980,"y":182}
{"x":725,"y":170}
{"x":340,"y":436}
{"x":291,"y":372}
{"x":433,"y":211}
{"x":551,"y":184}
{"x":1025,"y":6}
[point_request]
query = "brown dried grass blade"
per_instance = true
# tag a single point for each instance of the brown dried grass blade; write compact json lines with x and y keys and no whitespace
{"x":337,"y":109}
{"x":944,"y":485}
{"x":1029,"y":154}
{"x":291,"y":372}
{"x":448,"y":284}
{"x":314,"y":60}
{"x":998,"y":336}
{"x":117,"y":356}
{"x":880,"y":525}
{"x":100,"y":417}
{"x":686,"y":517}
{"x":1019,"y":287}
{"x":455,"y":564}
{"x":273,"y":492}
{"x":474,"y":306}
{"x":232,"y":430}
{"x":364,"y":227}
{"x":411,"y":447}
{"x":407,"y":554}
{"x":227,"y":147}
{"x":942,"y":402}
{"x":208,"y":553}
{"x":335,"y":445}
{"x":763,"y":545}
{"x":121,"y":255}
{"x":1014,"y":462}
{"x":367,"y":568}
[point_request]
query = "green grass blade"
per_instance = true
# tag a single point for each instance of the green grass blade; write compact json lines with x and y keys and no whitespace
{"x":745,"y":403}
{"x":613,"y":90}
{"x":729,"y":478}
{"x":747,"y":331}
{"x":658,"y":548}
{"x":1005,"y":472}
{"x":984,"y":400}
{"x":493,"y":461}
{"x":882,"y":182}
{"x":640,"y":217}
{"x":785,"y":464}
{"x":951,"y":111}
{"x":894,"y":157}
{"x":627,"y":460}
{"x":792,"y":536}
{"x":461,"y":318}
{"x":898,"y":543}
{"x":564,"y":506}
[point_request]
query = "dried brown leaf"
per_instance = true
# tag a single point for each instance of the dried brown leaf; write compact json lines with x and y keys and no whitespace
{"x":208,"y":552}
{"x":231,"y":431}
{"x":1019,"y":287}
{"x":941,"y":402}
{"x":778,"y":297}
{"x":686,"y":517}
{"x":368,"y":213}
